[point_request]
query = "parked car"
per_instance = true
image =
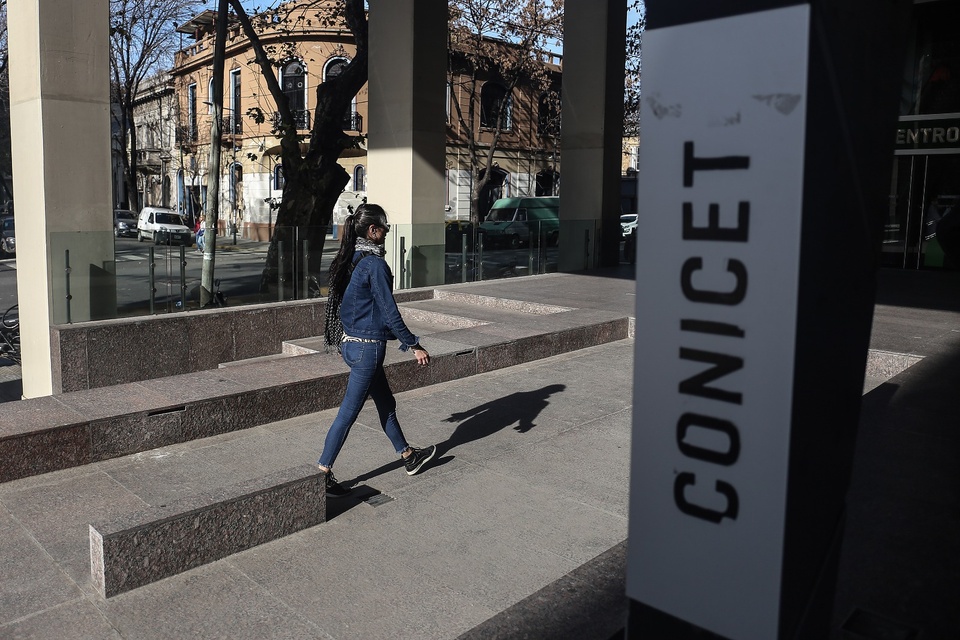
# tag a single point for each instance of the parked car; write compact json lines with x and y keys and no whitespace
{"x":513,"y":221}
{"x":124,"y":223}
{"x":163,"y":226}
{"x":8,"y":240}
{"x":628,"y":222}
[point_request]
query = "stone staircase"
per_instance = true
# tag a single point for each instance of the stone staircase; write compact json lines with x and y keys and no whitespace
{"x":466,"y":334}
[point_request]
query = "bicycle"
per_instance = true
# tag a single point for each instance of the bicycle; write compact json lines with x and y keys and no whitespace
{"x":10,"y":334}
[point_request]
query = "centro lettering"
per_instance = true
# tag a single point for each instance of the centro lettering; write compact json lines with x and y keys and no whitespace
{"x":705,"y":383}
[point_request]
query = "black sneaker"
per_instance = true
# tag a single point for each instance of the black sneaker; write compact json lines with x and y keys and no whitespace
{"x":415,"y":461}
{"x":334,"y":488}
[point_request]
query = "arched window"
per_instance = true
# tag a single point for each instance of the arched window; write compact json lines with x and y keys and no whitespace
{"x":494,"y":100}
{"x":548,"y":114}
{"x":293,"y":81}
{"x":278,"y":179}
{"x":359,"y":178}
{"x":331,"y":70}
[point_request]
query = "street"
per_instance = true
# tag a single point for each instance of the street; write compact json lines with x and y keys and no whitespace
{"x":239,"y":269}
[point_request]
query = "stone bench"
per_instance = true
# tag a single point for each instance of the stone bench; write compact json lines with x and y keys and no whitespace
{"x":156,"y":543}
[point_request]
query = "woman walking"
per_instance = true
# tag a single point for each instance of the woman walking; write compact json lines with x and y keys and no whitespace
{"x":361,"y":316}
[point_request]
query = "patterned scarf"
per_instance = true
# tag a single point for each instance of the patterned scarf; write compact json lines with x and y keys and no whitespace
{"x":332,"y":325}
{"x":366,"y":246}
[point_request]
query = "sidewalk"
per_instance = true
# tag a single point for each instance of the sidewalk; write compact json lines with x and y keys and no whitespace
{"x":517,"y":529}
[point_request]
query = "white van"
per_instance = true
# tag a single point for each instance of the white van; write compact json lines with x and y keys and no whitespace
{"x":163,"y":226}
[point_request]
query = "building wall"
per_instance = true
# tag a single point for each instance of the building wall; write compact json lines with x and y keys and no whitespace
{"x":523,"y":151}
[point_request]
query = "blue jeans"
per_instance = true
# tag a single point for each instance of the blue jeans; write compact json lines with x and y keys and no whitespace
{"x":367,"y":378}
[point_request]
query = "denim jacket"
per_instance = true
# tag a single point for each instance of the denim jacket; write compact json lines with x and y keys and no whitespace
{"x":368,"y":309}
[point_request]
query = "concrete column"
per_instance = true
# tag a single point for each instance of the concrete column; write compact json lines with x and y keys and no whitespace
{"x":593,"y":62}
{"x":60,"y":122}
{"x":408,"y":70}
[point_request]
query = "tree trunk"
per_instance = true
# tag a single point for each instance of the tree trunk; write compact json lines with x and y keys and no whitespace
{"x":213,"y":166}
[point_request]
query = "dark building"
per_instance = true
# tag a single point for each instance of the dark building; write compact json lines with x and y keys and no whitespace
{"x":922,"y":228}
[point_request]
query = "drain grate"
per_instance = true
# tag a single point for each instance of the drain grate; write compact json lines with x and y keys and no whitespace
{"x":378,"y":499}
{"x":863,"y":625}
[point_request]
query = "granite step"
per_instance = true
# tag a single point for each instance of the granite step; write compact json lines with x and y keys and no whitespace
{"x":82,"y":427}
{"x":136,"y":549}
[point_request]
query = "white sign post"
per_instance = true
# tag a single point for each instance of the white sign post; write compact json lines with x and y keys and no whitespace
{"x":727,"y":333}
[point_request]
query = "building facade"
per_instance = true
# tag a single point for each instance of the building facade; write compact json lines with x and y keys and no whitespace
{"x":155,"y":117}
{"x":922,"y":228}
{"x":526,"y":161}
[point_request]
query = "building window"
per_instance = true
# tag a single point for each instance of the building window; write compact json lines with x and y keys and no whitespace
{"x":192,"y":111}
{"x":293,"y":81}
{"x":236,"y":186}
{"x":333,"y":69}
{"x":449,"y":100}
{"x":235,"y":105}
{"x":548,"y":183}
{"x":359,"y":178}
{"x":278,"y":179}
{"x":494,"y":100}
{"x":548,"y":114}
{"x":209,"y":100}
{"x":493,"y":190}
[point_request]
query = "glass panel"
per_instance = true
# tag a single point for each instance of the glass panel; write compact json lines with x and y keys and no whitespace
{"x":139,"y":274}
{"x":895,"y":226}
{"x":934,"y":241}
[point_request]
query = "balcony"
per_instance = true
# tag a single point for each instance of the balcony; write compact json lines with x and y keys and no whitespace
{"x":353,"y":122}
{"x":149,"y":159}
{"x":301,"y":117}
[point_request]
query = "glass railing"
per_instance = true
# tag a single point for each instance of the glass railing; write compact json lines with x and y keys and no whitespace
{"x":98,"y":276}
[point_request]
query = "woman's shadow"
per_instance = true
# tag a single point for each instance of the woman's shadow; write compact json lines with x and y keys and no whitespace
{"x":518,"y":409}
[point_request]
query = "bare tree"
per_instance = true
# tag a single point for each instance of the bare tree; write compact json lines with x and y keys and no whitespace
{"x":142,"y":42}
{"x":637,"y":22}
{"x":503,"y":41}
{"x":313,"y":177}
{"x":6,"y":161}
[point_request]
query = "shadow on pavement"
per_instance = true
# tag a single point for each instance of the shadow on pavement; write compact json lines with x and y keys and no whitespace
{"x":488,"y":418}
{"x":519,"y":408}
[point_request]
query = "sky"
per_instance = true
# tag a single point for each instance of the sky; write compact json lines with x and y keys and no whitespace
{"x":253,"y":5}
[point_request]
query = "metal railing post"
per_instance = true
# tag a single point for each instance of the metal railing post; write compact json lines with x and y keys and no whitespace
{"x":281,"y":263}
{"x":152,"y":266}
{"x":403,"y":263}
{"x":305,"y":262}
{"x":183,"y":277}
{"x":463,"y":257}
{"x":478,"y":265}
{"x":66,"y":272}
